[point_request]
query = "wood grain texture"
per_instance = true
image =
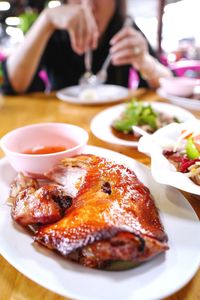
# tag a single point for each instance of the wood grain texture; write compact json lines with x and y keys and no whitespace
{"x":28,"y":109}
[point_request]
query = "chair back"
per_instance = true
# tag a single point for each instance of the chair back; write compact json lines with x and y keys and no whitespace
{"x":133,"y":80}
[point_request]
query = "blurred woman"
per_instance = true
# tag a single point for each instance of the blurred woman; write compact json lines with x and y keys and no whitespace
{"x":59,"y":38}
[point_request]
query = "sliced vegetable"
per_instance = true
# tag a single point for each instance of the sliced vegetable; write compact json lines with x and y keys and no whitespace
{"x":186,"y":134}
{"x":196,"y":140}
{"x":191,"y":150}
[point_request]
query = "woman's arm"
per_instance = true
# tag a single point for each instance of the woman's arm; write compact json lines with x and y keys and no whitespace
{"x":152,"y":70}
{"x":129,"y":46}
{"x":23,"y":63}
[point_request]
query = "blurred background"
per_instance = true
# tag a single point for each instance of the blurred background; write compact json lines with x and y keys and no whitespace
{"x":171,"y":26}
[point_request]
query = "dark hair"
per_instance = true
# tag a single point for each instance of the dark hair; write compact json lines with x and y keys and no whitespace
{"x":121,"y":7}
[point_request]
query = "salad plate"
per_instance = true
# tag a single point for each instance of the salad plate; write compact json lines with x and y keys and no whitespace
{"x":101,"y":124}
{"x":167,"y":140}
{"x":155,"y":279}
{"x":102,"y":94}
{"x":188,"y":103}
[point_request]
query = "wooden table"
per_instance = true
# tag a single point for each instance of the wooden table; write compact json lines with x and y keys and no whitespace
{"x":29,"y":109}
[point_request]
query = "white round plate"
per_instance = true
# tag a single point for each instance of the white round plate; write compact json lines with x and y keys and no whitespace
{"x":180,"y":101}
{"x":156,"y":279}
{"x":106,"y":93}
{"x":101,"y":123}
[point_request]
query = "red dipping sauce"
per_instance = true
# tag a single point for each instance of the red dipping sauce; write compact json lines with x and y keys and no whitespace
{"x":45,"y":150}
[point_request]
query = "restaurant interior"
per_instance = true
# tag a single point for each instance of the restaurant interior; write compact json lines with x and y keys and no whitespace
{"x":100,"y":171}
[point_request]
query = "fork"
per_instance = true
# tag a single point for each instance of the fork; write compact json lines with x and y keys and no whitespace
{"x":101,"y":75}
{"x":88,"y":78}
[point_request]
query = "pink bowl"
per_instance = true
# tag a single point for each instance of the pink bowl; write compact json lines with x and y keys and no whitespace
{"x":16,"y":142}
{"x":179,"y":86}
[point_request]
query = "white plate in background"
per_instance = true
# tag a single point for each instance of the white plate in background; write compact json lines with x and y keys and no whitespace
{"x":101,"y":123}
{"x":189,"y":103}
{"x":105,"y":93}
{"x":156,"y":279}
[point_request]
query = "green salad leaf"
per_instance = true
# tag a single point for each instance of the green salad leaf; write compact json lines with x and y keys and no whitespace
{"x":136,"y":113}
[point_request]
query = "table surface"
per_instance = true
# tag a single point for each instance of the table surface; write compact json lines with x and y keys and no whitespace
{"x":28,"y":109}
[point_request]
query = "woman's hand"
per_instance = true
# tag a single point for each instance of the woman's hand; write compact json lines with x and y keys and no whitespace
{"x":79,"y":21}
{"x":128,"y":46}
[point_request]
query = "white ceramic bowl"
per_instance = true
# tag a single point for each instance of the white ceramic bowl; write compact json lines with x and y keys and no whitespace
{"x":162,"y":170}
{"x":23,"y":139}
{"x":179,"y":86}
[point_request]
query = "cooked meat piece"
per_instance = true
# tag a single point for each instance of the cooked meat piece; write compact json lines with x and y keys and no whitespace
{"x":38,"y":206}
{"x":124,"y":246}
{"x":113,"y":217}
{"x":20,"y":183}
{"x":71,"y":178}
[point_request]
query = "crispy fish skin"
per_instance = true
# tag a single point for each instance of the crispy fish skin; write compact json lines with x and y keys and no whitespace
{"x":111,"y":203}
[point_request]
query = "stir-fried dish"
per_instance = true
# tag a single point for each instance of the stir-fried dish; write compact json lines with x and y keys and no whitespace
{"x":186,"y":155}
{"x":142,"y":115}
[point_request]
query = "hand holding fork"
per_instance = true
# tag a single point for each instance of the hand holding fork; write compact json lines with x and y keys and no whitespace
{"x":88,"y":78}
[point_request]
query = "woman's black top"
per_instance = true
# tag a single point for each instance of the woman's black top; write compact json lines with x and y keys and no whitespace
{"x":64,"y":67}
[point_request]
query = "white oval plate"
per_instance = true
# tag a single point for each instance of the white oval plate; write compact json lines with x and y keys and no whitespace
{"x":162,"y":170}
{"x":101,"y":123}
{"x":106,"y":93}
{"x":156,"y":279}
{"x":180,"y":101}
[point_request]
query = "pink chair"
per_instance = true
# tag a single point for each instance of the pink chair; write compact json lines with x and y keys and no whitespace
{"x":133,"y":79}
{"x":188,"y":68}
{"x":44,"y":76}
{"x":2,"y":57}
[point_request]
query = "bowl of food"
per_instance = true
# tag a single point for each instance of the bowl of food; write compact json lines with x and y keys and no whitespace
{"x":175,"y":155}
{"x":34,"y":149}
{"x":179,"y":86}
